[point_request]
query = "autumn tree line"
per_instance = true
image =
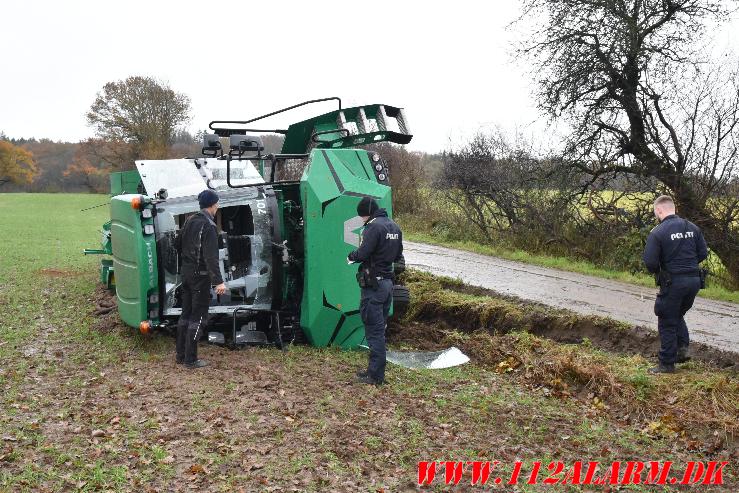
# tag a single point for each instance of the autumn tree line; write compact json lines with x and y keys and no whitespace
{"x":646,"y":110}
{"x":130,"y":119}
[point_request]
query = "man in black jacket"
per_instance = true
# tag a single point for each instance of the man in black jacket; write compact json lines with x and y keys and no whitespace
{"x":200,"y":270}
{"x":381,"y":245}
{"x":673,"y":251}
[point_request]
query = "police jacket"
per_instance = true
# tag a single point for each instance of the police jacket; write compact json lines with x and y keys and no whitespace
{"x":675,"y":245}
{"x":199,"y":246}
{"x":381,"y":245}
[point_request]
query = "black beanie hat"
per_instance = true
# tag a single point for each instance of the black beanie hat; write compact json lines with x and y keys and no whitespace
{"x":367,"y":206}
{"x":206,"y":198}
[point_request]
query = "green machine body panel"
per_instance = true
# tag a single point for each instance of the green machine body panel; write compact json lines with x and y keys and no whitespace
{"x":134,"y":260}
{"x":331,"y":187}
{"x":125,"y":182}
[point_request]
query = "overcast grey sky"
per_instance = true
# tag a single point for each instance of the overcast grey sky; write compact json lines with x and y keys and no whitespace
{"x":448,"y":63}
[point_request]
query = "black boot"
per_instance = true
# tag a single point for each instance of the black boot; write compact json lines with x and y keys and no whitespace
{"x":662,"y":368}
{"x":369,"y":380}
{"x":682,"y":355}
{"x":198,"y":363}
{"x":181,"y":338}
{"x":191,"y":347}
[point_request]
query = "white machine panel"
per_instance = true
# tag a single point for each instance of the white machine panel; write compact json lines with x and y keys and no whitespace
{"x":189,"y":177}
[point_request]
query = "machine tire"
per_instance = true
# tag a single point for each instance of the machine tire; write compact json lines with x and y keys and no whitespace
{"x":401,"y":300}
{"x":399,"y":266}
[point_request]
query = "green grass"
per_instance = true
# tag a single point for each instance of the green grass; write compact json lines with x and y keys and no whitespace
{"x":561,"y":263}
{"x":49,"y":232}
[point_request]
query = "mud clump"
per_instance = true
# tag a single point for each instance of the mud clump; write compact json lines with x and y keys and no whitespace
{"x":105,"y":309}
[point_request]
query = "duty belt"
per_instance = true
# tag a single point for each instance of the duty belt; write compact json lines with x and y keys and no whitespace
{"x":686,"y":274}
{"x":195,"y":271}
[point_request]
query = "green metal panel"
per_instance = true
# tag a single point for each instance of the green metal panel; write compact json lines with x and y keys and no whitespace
{"x":106,"y":273}
{"x":134,"y":261}
{"x":124,"y":182}
{"x":331,"y":187}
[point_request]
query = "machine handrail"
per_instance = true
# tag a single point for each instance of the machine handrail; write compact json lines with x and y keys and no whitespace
{"x":244,"y":122}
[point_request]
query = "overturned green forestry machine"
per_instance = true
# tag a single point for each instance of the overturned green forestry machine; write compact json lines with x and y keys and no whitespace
{"x":283,"y":242}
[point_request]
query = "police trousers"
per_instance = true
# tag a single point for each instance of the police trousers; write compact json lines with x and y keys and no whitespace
{"x":195,"y":302}
{"x":671,"y":305}
{"x":374,"y":309}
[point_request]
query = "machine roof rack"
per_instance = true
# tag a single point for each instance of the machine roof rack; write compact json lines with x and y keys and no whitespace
{"x":344,"y":127}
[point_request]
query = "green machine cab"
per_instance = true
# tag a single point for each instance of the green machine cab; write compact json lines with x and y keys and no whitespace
{"x":286,"y":222}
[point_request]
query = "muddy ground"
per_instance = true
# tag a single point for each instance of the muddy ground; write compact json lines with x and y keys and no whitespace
{"x":715,"y":323}
{"x":109,"y":410}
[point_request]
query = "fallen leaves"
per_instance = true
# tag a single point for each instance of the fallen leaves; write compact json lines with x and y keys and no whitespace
{"x":508,"y":365}
{"x":665,"y":426}
{"x":196,"y":469}
{"x":7,"y":454}
{"x":249,"y":465}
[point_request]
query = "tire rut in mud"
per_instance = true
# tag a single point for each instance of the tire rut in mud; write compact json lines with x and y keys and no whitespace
{"x":454,"y":306}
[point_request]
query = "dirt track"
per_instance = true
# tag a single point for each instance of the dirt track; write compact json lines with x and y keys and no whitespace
{"x":715,"y":323}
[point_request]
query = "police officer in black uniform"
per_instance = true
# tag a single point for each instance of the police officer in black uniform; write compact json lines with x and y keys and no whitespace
{"x":200,"y":270}
{"x":381,"y":245}
{"x":673,"y":251}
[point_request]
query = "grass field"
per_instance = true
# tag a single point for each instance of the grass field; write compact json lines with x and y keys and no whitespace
{"x":89,"y":405}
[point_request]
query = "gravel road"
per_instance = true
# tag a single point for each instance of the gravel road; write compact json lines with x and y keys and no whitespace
{"x":715,"y":323}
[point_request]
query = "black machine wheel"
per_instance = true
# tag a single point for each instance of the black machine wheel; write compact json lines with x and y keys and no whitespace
{"x":401,"y":300}
{"x":399,"y":266}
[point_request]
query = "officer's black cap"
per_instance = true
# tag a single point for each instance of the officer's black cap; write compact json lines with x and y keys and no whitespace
{"x":206,"y":198}
{"x":367,"y":206}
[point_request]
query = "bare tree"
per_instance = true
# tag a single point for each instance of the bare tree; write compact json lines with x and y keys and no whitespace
{"x":628,"y":77}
